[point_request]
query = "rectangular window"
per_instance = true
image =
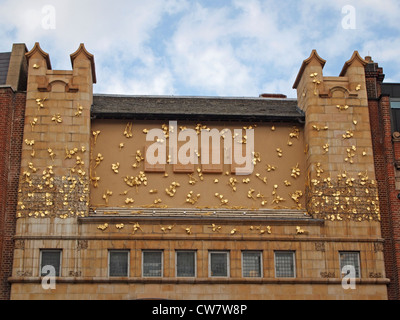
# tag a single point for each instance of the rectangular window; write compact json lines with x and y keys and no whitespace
{"x":285,"y":264}
{"x":395,"y":106}
{"x":118,"y":265}
{"x":152,"y":264}
{"x":50,"y":261}
{"x":219,"y":264}
{"x":351,"y":259}
{"x":252,"y":264}
{"x":186,"y":264}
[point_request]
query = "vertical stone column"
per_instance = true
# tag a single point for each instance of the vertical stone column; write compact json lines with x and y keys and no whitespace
{"x":55,"y":158}
{"x":341,"y":174}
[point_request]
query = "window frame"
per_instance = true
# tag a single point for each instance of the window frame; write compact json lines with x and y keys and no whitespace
{"x":261,"y":263}
{"x":41,"y":261}
{"x":358,"y":260}
{"x":128,"y":262}
{"x":228,"y":264}
{"x":162,"y":263}
{"x":294,"y":263}
{"x":394,"y":123}
{"x":176,"y":263}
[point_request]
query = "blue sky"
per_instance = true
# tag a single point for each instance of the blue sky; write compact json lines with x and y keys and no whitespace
{"x":205,"y":48}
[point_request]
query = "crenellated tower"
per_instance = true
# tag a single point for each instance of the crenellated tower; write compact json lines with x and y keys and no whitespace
{"x":339,"y":155}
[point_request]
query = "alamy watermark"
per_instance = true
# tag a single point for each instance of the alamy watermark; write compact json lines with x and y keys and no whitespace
{"x":235,"y":143}
{"x":349,"y":21}
{"x":349,"y":277}
{"x":48,"y":17}
{"x":49,"y":280}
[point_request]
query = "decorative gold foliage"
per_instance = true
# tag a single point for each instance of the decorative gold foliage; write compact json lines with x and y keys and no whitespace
{"x":351,"y":153}
{"x":115,"y":167}
{"x":136,"y":227}
{"x":107,"y":195}
{"x":34,"y":123}
{"x":215,"y":228}
{"x":316,"y":82}
{"x":296,"y":172}
{"x":222,"y":199}
{"x":40,"y":103}
{"x":128,"y":130}
{"x":344,"y":198}
{"x":57,"y":118}
{"x":137,"y":180}
{"x":171,"y":191}
{"x":318,"y":128}
{"x":261,"y":230}
{"x":232,"y":183}
{"x":103,"y":227}
{"x":192,"y":198}
{"x":120,"y":226}
{"x":265,"y":180}
{"x":129,"y":201}
{"x":342,"y":108}
{"x":295,"y":134}
{"x":79,"y":111}
{"x":348,"y":135}
{"x":271,"y":168}
{"x":51,"y":153}
{"x":139,"y":158}
{"x":326,"y":148}
{"x":99,"y":159}
{"x":299,"y":230}
{"x":95,"y":136}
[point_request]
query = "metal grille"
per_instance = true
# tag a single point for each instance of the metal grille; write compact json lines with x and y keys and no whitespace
{"x":51,"y":258}
{"x":251,"y":264}
{"x":119,"y":263}
{"x":284,"y":265}
{"x":219,"y":264}
{"x":152,"y":264}
{"x":350,"y":259}
{"x":185,"y":264}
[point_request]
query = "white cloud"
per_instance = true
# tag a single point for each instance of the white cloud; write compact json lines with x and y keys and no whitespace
{"x":234,"y":48}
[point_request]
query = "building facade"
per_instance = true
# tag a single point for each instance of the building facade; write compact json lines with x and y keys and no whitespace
{"x":383,"y":104}
{"x":108,"y":222}
{"x":13,"y":72}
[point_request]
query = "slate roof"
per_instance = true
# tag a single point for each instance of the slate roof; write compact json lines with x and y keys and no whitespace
{"x":4,"y":63}
{"x":195,"y":108}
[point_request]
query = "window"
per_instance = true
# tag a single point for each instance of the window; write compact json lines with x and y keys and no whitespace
{"x":152,"y":264}
{"x":285,"y":264}
{"x":395,"y":106}
{"x":350,"y":259}
{"x":186,"y":264}
{"x":50,"y":258}
{"x":219,"y":264}
{"x":118,"y":263}
{"x":252,"y":264}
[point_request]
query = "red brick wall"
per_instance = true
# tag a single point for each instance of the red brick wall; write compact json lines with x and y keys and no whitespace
{"x":12,"y":112}
{"x":384,"y":158}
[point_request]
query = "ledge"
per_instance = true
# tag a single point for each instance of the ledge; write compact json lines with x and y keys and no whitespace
{"x":199,"y":216}
{"x":198,"y":281}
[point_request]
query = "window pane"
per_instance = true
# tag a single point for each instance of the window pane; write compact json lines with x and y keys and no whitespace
{"x":50,"y":258}
{"x":152,"y":264}
{"x":395,"y":104}
{"x":350,"y":259}
{"x":119,"y":263}
{"x":284,"y":264}
{"x":185,"y":264}
{"x":219,"y":264}
{"x":251,"y":264}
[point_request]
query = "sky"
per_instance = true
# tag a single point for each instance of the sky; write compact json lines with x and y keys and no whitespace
{"x":237,"y":48}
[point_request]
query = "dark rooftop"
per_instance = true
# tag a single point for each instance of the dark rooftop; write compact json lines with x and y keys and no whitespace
{"x":4,"y":63}
{"x":195,"y":108}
